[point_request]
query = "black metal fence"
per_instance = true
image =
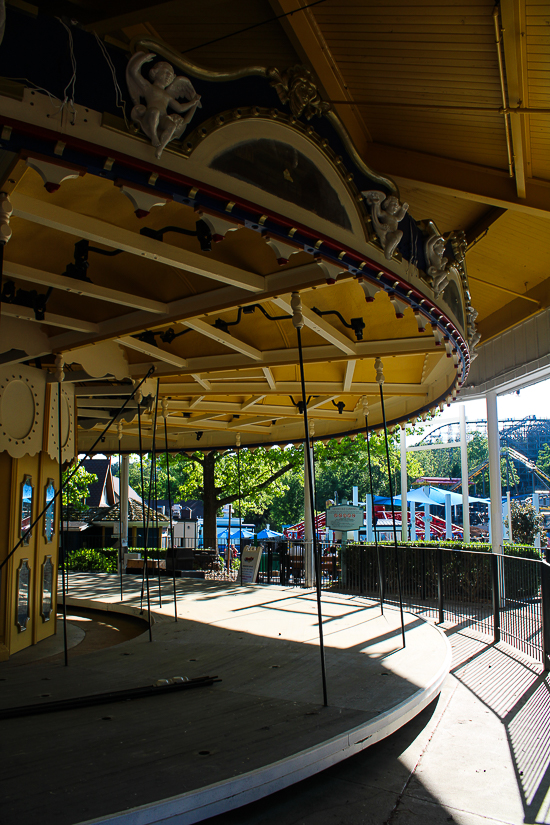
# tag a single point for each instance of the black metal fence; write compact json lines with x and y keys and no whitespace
{"x":504,"y":597}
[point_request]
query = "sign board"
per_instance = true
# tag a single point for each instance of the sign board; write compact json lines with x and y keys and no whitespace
{"x":250,"y":564}
{"x":345,"y":517}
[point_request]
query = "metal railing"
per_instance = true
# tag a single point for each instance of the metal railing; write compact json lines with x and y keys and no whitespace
{"x":504,"y":597}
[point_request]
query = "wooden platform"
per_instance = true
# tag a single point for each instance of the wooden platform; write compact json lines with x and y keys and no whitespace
{"x":187,"y":756}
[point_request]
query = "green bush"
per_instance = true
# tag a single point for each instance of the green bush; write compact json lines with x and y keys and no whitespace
{"x":92,"y":561}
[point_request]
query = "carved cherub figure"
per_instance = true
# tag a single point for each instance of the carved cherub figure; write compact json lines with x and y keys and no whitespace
{"x":386,"y":212}
{"x":438,"y":264}
{"x":162,"y":93}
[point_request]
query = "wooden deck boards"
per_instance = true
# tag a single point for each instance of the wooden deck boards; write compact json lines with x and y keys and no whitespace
{"x":261,"y":641}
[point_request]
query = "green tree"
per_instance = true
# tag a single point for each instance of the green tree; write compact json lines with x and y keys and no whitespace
{"x":543,"y":459}
{"x":526,"y":523}
{"x":213,"y":479}
{"x":75,"y":489}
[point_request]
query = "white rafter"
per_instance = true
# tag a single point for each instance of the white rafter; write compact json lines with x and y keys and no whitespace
{"x":51,"y":319}
{"x":223,"y":338}
{"x":269,"y":377}
{"x":321,"y":327}
{"x":88,"y":290}
{"x":65,"y":220}
{"x":251,"y":402}
{"x":202,"y":381}
{"x":152,"y":351}
{"x":348,"y":378}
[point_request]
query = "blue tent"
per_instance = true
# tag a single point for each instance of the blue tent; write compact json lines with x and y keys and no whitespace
{"x":242,"y":534}
{"x":270,"y":534}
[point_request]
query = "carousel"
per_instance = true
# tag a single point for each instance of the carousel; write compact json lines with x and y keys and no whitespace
{"x":197,"y":260}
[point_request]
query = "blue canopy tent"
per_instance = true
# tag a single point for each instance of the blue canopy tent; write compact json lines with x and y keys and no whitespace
{"x":270,"y":534}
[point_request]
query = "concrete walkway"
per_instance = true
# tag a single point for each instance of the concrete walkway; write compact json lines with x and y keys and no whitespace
{"x":479,"y":755}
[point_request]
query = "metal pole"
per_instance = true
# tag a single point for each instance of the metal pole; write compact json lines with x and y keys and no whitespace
{"x":380,"y":559}
{"x":145,"y":577}
{"x":404,"y":521}
{"x":545,"y":611}
{"x":496,"y":596}
{"x":464,"y":473}
{"x":298,"y":322}
{"x":380,"y":380}
{"x":441,"y":617}
{"x":123,"y":500}
{"x":120,"y":548}
{"x":494,"y":472}
{"x":240,"y":506}
{"x":165,"y":414}
{"x":60,"y":375}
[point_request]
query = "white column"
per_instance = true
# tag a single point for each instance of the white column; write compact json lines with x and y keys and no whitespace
{"x":464,"y":468}
{"x":448,"y":521}
{"x":403,"y":445}
{"x":123,"y":497}
{"x":309,"y":568}
{"x":355,"y":500}
{"x":368,"y":513}
{"x":494,"y":472}
{"x":413,"y":521}
{"x":536,"y":505}
{"x":427,"y":520}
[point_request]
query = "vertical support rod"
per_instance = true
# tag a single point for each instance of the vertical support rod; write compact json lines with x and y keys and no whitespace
{"x":120,"y":548}
{"x":545,"y":611}
{"x":464,"y":474}
{"x":440,"y":605}
{"x":145,"y":570}
{"x":240,"y":505}
{"x":123,"y":500}
{"x":403,"y":449}
{"x":379,"y":555}
{"x":496,"y":596}
{"x":298,"y":322}
{"x":494,"y":472}
{"x":164,"y":411}
{"x":61,"y":535}
{"x":309,"y":519}
{"x":397,"y":567}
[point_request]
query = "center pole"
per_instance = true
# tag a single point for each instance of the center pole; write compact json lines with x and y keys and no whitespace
{"x":298,"y":323}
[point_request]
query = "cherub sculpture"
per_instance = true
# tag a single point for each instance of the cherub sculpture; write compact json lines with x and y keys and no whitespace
{"x":386,"y":212}
{"x":162,"y":93}
{"x":438,"y":264}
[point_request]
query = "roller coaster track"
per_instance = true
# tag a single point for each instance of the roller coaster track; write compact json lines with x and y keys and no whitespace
{"x":516,"y":456}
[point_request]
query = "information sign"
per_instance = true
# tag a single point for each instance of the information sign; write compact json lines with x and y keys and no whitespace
{"x":250,"y":564}
{"x":345,"y":517}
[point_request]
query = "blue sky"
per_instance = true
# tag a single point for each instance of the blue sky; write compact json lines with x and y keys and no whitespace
{"x":533,"y":400}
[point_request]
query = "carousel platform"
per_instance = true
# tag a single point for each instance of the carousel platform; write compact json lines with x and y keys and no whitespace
{"x":188,"y":755}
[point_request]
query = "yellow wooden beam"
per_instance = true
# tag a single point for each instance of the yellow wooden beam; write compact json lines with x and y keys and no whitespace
{"x":513,"y":32}
{"x":308,"y":41}
{"x":482,"y":184}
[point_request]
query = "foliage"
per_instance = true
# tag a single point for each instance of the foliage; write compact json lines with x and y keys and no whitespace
{"x":526,"y":551}
{"x":543,"y":459}
{"x":75,"y":489}
{"x":526,"y":522}
{"x":92,"y":561}
{"x":340,"y":466}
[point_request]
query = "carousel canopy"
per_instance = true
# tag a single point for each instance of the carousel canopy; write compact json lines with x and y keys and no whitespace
{"x":183,"y":246}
